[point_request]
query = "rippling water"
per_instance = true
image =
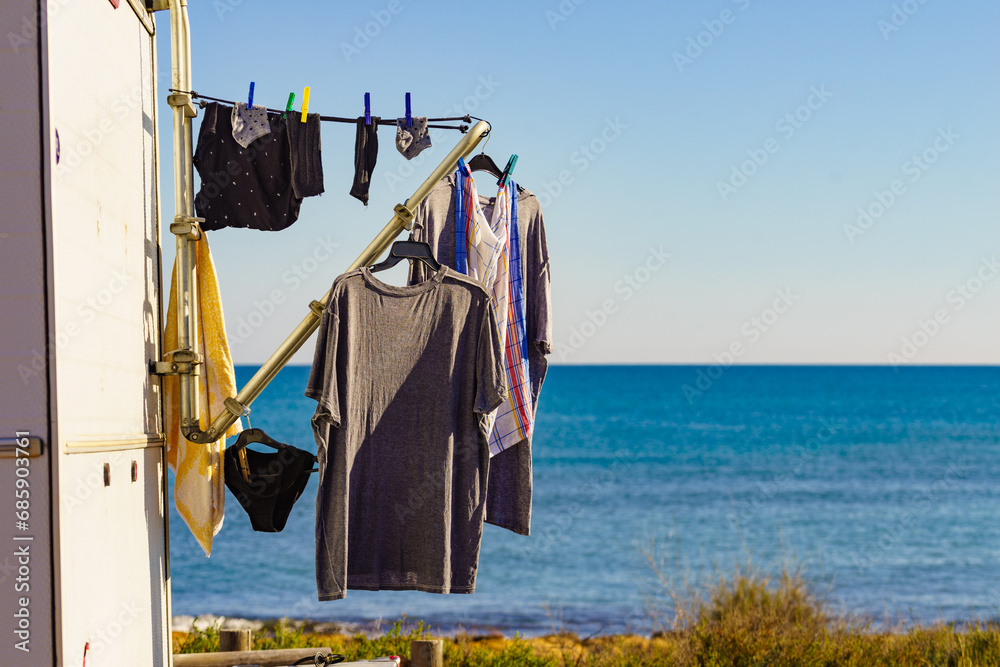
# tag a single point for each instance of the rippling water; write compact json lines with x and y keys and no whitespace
{"x":885,"y":485}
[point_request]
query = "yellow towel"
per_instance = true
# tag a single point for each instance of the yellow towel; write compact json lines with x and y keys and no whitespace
{"x":199,"y":477}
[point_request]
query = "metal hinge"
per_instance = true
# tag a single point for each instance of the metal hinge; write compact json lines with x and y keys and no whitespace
{"x":184,"y":361}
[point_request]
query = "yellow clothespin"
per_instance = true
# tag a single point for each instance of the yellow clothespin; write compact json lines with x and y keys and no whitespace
{"x":305,"y":103}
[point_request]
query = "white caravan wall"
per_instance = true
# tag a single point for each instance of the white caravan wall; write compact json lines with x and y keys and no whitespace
{"x":111,"y":556}
{"x":111,"y":551}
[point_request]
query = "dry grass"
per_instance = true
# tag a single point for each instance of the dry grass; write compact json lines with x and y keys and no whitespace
{"x":746,"y":619}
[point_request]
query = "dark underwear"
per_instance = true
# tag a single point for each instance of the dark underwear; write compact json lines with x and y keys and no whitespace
{"x":266,"y":484}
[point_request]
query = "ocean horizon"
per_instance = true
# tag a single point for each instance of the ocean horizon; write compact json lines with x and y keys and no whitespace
{"x":879,"y":483}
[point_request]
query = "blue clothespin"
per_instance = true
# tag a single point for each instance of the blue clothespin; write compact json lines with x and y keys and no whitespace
{"x":508,"y":170}
{"x":368,"y":108}
{"x":461,"y":164}
{"x":409,"y":118}
{"x":250,"y":97}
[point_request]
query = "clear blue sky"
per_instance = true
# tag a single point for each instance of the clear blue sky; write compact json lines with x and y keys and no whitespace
{"x":829,"y":103}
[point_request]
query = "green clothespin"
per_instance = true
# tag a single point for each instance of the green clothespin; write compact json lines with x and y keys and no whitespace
{"x":288,"y":107}
{"x":508,"y":170}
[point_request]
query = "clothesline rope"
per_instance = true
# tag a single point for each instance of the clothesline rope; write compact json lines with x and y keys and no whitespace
{"x":338,"y":119}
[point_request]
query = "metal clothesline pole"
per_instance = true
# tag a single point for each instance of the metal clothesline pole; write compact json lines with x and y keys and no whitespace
{"x":185,"y":226}
{"x":185,"y":361}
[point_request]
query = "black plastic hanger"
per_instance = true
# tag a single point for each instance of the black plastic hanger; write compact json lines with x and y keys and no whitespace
{"x":408,"y":250}
{"x":251,"y":436}
{"x":483,"y":162}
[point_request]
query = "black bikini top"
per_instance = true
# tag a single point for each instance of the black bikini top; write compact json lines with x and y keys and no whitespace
{"x":266,"y":484}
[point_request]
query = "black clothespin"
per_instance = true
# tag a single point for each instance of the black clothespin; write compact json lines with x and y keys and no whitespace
{"x":409,"y":118}
{"x":368,"y":108}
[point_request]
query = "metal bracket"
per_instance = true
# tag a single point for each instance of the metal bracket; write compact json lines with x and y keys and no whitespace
{"x":186,"y":225}
{"x":157,"y":5}
{"x":405,"y":214}
{"x":162,"y":368}
{"x":317,"y":308}
{"x":236,"y":407}
{"x":184,"y":362}
{"x":183,"y":100}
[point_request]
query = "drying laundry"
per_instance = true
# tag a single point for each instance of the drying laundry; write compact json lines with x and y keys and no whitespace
{"x":249,"y":123}
{"x":403,"y":378}
{"x":478,"y":248}
{"x":513,"y":419}
{"x":304,"y":151}
{"x":199,"y":482}
{"x":510,"y":479}
{"x":253,"y":187}
{"x":510,"y":483}
{"x":413,"y":140}
{"x":266,"y":484}
{"x":365,"y":156}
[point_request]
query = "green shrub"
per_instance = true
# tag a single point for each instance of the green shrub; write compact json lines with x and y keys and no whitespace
{"x":200,"y":641}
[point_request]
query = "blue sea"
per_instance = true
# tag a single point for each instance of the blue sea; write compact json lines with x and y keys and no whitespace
{"x":881,"y":485}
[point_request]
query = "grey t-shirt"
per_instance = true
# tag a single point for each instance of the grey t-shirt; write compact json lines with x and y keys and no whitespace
{"x":403,"y":377}
{"x":508,"y":501}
